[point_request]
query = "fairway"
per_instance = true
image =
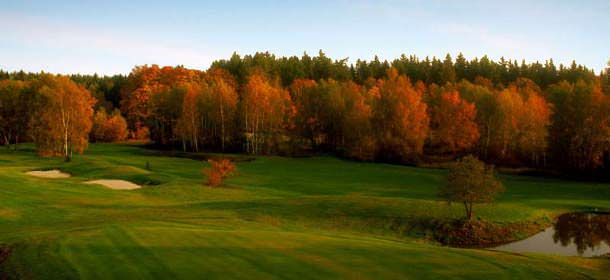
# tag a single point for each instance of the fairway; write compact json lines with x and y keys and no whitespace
{"x":277,"y":218}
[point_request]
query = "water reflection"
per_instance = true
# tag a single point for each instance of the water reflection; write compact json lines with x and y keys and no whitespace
{"x":585,"y":230}
{"x":574,"y":234}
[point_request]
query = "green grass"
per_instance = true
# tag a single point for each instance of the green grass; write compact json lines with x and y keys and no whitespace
{"x":277,"y":218}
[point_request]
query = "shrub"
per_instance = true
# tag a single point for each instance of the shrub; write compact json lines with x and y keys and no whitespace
{"x":140,"y":133}
{"x":115,"y":128}
{"x":219,"y":170}
{"x":109,"y":128}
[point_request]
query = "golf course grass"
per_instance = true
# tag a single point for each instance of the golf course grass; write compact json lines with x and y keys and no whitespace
{"x":296,"y":218}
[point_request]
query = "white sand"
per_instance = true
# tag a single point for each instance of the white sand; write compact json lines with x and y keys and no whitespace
{"x":49,"y":174}
{"x":115,"y":184}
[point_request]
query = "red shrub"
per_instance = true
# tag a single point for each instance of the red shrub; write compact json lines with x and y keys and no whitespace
{"x":220,"y":170}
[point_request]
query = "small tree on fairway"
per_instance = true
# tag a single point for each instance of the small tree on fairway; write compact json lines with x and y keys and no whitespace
{"x":469,"y":181}
{"x":220,"y":170}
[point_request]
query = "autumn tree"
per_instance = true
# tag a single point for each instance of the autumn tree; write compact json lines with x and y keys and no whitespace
{"x":136,"y":94}
{"x":152,"y":98}
{"x":400,"y":118}
{"x":310,"y":101}
{"x":97,"y":129}
{"x":218,"y":172}
{"x":330,"y":111}
{"x":264,"y":107}
{"x":333,"y":116}
{"x":223,"y":98}
{"x":63,"y":117}
{"x":457,"y":129}
{"x":535,"y":120}
{"x":188,"y":125}
{"x":356,"y":128}
{"x":115,"y":128}
{"x":521,"y":122}
{"x":470,"y":181}
{"x":487,"y":116}
{"x":108,"y":128}
{"x":165,"y":112}
{"x":13,"y":111}
{"x":581,"y":125}
{"x":510,"y":105}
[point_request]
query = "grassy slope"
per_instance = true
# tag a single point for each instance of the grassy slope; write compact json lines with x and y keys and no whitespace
{"x":280,"y":217}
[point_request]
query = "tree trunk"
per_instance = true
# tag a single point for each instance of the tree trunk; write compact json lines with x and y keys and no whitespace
{"x":247,"y":137}
{"x":487,"y":138}
{"x":194,"y":133}
{"x":222,"y":126}
{"x":468,"y":207}
{"x":64,"y":122}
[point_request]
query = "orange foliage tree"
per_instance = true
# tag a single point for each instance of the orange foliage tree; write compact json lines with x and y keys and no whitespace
{"x":535,"y":121}
{"x":510,"y":105}
{"x":63,"y":118}
{"x":142,"y":81}
{"x":223,"y":103}
{"x":13,"y":111}
{"x":581,"y":126}
{"x":400,"y":118}
{"x":485,"y":101}
{"x":188,"y":124}
{"x":109,"y":129}
{"x":457,"y":129}
{"x":353,"y":112}
{"x":265,"y":107}
{"x":97,"y":129}
{"x":219,"y":170}
{"x":522,"y":122}
{"x":115,"y":128}
{"x":307,"y":121}
{"x":153,"y":97}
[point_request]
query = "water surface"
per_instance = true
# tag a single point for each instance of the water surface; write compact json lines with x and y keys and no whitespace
{"x":574,"y":234}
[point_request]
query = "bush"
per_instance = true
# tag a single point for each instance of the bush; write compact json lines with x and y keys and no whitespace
{"x":115,"y":129}
{"x":220,"y":170}
{"x":109,"y":128}
{"x":140,"y":133}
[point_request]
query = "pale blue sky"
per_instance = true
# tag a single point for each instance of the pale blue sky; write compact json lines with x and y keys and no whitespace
{"x":112,"y":36}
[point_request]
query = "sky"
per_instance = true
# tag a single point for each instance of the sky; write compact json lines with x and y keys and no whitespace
{"x":111,"y":37}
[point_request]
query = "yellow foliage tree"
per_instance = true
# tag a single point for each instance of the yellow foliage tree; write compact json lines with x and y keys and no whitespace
{"x":62,"y":123}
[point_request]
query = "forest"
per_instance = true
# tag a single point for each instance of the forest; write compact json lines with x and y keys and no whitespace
{"x":408,"y":110}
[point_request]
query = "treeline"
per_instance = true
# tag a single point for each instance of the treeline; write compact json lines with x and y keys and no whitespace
{"x":407,"y":110}
{"x":428,"y":70}
{"x":52,"y":111}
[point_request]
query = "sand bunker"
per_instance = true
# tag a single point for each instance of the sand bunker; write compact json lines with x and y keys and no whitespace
{"x":49,"y":174}
{"x":115,"y":184}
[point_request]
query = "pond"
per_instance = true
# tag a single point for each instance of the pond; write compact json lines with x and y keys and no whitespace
{"x":574,"y":234}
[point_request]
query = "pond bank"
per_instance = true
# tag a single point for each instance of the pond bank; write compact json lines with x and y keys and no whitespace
{"x":573,"y":234}
{"x":584,"y":234}
{"x":480,"y":234}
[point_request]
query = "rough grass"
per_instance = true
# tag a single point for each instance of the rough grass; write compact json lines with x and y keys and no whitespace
{"x":277,"y":218}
